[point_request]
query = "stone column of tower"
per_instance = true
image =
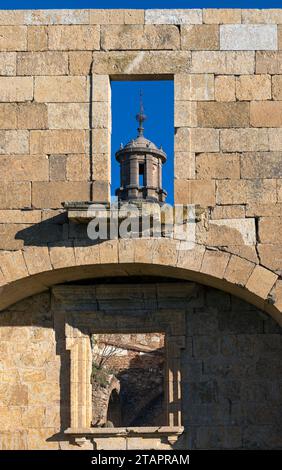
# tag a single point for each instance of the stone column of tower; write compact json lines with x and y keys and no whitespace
{"x":141,"y":167}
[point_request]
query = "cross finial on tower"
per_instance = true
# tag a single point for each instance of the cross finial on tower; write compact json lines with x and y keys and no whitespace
{"x":141,"y":117}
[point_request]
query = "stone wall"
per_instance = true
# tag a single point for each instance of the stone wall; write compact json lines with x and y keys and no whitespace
{"x":231,"y":372}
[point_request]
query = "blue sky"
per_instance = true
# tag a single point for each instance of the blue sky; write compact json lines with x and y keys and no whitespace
{"x":9,"y":4}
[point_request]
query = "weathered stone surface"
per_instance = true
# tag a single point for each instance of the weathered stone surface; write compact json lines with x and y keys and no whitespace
{"x":78,"y":168}
{"x":173,"y":16}
{"x":141,"y":62}
{"x":260,"y":209}
{"x":221,"y":16}
{"x":139,"y":37}
{"x":244,"y":140}
{"x":8,"y":116}
{"x":62,"y":255}
{"x":217,"y":166}
{"x":194,"y":87}
{"x":277,"y":87}
{"x":266,"y":114}
{"x":268,"y":62}
{"x":228,"y":212}
{"x":246,"y":191}
{"x":73,"y":37}
{"x":37,"y":38}
{"x":109,"y":16}
{"x":80,"y":62}
{"x":195,"y":192}
{"x":220,"y":115}
{"x":52,"y":194}
{"x":13,"y":265}
{"x":184,"y":165}
{"x":101,"y":89}
{"x":16,"y":88}
{"x":14,"y":195}
{"x":11,"y":17}
{"x":253,"y":87}
{"x":9,"y":239}
{"x":24,"y":168}
{"x":262,"y":16}
{"x":101,"y":114}
{"x":32,"y":116}
{"x":14,"y":142}
{"x":60,"y":89}
{"x":13,"y":38}
{"x":185,"y":114}
{"x":68,"y":115}
{"x":248,"y":37}
{"x":261,"y":165}
{"x":10,"y":216}
{"x":261,"y":281}
{"x":238,"y":270}
{"x":57,"y":165}
{"x":271,"y":256}
{"x":38,"y":17}
{"x":230,"y":231}
{"x":224,"y":88}
{"x":269,"y":229}
{"x":200,"y":37}
{"x":42,"y":63}
{"x":275,"y":139}
{"x":8,"y":62}
{"x":221,"y":62}
{"x":57,"y":141}
{"x":196,"y":140}
{"x":214,"y":263}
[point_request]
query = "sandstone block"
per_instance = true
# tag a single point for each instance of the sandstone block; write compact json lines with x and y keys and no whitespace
{"x":14,"y":142}
{"x":246,"y":191}
{"x":225,"y":88}
{"x":261,"y":165}
{"x":173,"y":16}
{"x":68,"y":115}
{"x":57,"y":165}
{"x":101,"y":141}
{"x":244,"y":140}
{"x":8,"y":116}
{"x":24,"y":168}
{"x":15,"y":195}
{"x":134,"y":16}
{"x":78,"y":168}
{"x":246,"y":37}
{"x":261,"y":281}
{"x":228,"y":212}
{"x":214,"y":263}
{"x":13,"y":265}
{"x":266,"y":113}
{"x":141,"y":62}
{"x":238,"y":271}
{"x":86,"y":254}
{"x":259,"y":210}
{"x":218,"y":115}
{"x":37,"y":38}
{"x":52,"y":194}
{"x":262,"y":16}
{"x":39,"y":17}
{"x":32,"y":116}
{"x":101,"y":115}
{"x":217,"y":166}
{"x":101,"y":166}
{"x":11,"y":418}
{"x":37,"y":259}
{"x":269,"y":62}
{"x":221,"y":16}
{"x":275,"y":139}
{"x":221,"y":62}
{"x":194,"y":87}
{"x":10,"y":216}
{"x":185,"y":114}
{"x":42,"y":63}
{"x":277,"y":87}
{"x":57,"y":141}
{"x":8,"y":61}
{"x":101,"y":190}
{"x":74,"y":37}
{"x":270,"y":229}
{"x":253,"y":87}
{"x":139,"y":37}
{"x":16,"y":88}
{"x":101,"y":88}
{"x":80,"y":62}
{"x":62,"y":255}
{"x":224,"y":232}
{"x":200,"y":37}
{"x":107,"y":16}
{"x":184,"y":165}
{"x":12,"y":17}
{"x":196,"y":140}
{"x":60,"y":89}
{"x":195,"y":192}
{"x":271,"y":256}
{"x":8,"y":236}
{"x":13,"y":38}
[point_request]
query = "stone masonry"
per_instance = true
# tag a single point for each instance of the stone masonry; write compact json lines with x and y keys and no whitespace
{"x":56,"y":67}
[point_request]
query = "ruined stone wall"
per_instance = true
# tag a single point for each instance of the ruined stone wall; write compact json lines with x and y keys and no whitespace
{"x":231,"y":372}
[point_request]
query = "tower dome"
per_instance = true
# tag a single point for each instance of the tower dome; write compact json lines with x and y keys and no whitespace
{"x":141,"y":167}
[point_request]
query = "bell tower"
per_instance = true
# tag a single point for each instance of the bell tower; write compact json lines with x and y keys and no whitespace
{"x":141,"y":167}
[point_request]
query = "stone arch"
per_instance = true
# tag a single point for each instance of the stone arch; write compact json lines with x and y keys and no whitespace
{"x":34,"y":269}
